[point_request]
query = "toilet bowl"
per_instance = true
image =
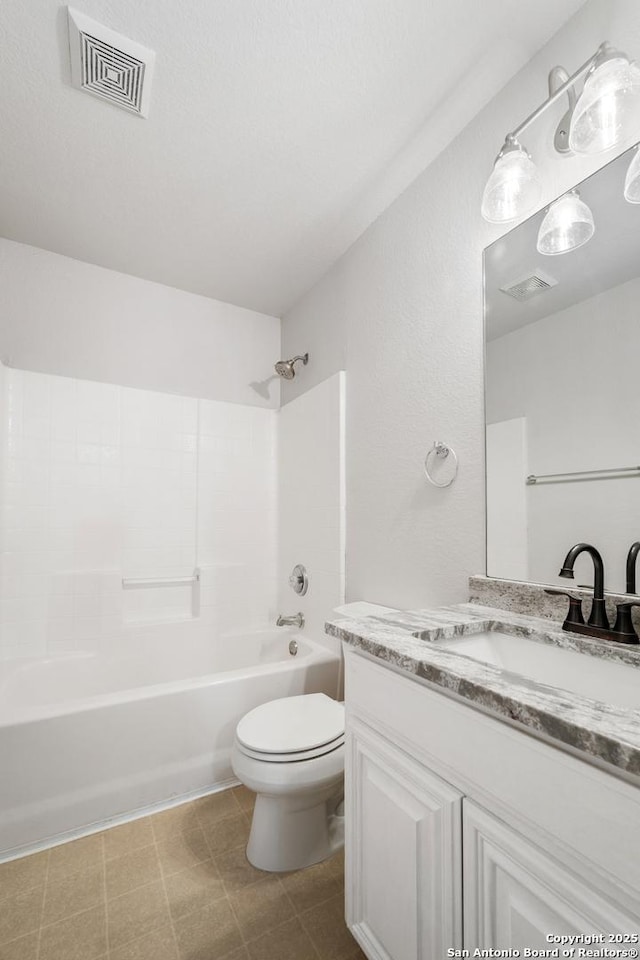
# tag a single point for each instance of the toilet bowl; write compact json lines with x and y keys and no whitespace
{"x":291,"y":753}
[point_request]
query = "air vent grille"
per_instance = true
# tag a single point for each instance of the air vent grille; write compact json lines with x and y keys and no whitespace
{"x":109,"y":66}
{"x":528,"y":287}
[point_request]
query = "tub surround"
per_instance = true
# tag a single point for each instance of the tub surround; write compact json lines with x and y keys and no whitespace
{"x":531,"y":598}
{"x":599,"y":732}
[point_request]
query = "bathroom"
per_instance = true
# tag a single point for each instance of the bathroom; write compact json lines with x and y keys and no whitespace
{"x":306,"y":182}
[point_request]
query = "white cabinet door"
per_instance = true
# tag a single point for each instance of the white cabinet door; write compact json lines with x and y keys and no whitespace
{"x":515,"y":894}
{"x":403,"y":852}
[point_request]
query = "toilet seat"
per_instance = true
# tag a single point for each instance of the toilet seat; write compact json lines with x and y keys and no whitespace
{"x":291,"y":757}
{"x":292,"y":729}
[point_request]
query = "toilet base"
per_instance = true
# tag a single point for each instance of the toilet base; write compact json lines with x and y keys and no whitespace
{"x":288,"y":833}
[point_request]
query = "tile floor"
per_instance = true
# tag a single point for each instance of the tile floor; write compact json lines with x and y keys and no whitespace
{"x":173,"y":886}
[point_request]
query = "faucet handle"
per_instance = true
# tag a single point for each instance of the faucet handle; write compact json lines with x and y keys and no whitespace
{"x":623,"y":627}
{"x":574,"y":616}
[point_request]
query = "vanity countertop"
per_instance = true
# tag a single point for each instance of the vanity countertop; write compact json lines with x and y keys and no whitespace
{"x":601,"y":731}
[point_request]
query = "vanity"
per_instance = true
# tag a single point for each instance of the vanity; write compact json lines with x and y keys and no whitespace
{"x":493,"y":758}
{"x":487,"y":809}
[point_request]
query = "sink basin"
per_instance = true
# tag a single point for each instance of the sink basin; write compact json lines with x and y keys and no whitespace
{"x":609,"y":681}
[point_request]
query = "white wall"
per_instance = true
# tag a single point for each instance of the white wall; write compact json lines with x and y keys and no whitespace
{"x":402,"y":310}
{"x":74,"y":319}
{"x":103,"y":482}
{"x":311,"y":527}
{"x":545,"y":372}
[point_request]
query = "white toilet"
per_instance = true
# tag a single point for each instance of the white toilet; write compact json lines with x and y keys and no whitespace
{"x":291,"y":753}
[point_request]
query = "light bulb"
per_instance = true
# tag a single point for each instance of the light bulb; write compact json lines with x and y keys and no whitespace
{"x":514,"y":188}
{"x":568,"y":224}
{"x":608,"y":107}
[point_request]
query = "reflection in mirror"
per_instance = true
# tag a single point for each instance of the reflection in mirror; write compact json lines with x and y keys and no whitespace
{"x":563,"y":393}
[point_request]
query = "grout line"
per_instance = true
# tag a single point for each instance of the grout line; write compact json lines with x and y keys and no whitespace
{"x":106,"y":899}
{"x":44,"y":894}
{"x":304,"y":913}
{"x":235,"y":917}
{"x":297,"y":917}
{"x":166,"y":895}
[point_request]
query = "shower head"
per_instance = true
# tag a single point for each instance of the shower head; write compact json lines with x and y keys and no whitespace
{"x":284,"y":368}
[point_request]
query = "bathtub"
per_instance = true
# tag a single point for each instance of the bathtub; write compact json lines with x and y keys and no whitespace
{"x":87,"y":739}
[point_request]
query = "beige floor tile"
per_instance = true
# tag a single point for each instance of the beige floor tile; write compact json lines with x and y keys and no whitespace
{"x":191,"y":889}
{"x":137,"y":914}
{"x":19,"y":875}
{"x":335,"y":864}
{"x":81,"y":937}
{"x":131,"y":870}
{"x":209,"y":933}
{"x":236,"y":871}
{"x":261,"y":907}
{"x":287,"y":942}
{"x":73,"y":893}
{"x":76,"y":856}
{"x":24,"y":948}
{"x":21,"y":913}
{"x":228,"y":833}
{"x":127,"y":837}
{"x":159,"y":945}
{"x":182,"y":851}
{"x":326,"y":926}
{"x":176,"y":820}
{"x":313,"y":885}
{"x":241,"y":954}
{"x":216,"y":806}
{"x":245,"y":798}
{"x":356,"y":955}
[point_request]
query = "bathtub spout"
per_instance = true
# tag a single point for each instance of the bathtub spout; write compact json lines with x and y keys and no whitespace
{"x":297,"y":620}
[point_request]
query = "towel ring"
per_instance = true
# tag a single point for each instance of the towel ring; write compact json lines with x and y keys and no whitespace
{"x":441,"y":451}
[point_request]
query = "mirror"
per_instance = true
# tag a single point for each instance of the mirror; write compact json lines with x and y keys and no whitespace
{"x":562,"y":340}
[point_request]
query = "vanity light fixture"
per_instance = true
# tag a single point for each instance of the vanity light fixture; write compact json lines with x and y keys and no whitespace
{"x":606,"y":109}
{"x":514,"y":187}
{"x":609,"y":102}
{"x":632,"y":179}
{"x":568,"y":224}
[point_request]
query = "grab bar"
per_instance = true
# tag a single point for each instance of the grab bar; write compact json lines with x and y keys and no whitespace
{"x":133,"y":583}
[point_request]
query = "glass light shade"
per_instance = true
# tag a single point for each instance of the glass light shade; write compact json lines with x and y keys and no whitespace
{"x":568,"y":224}
{"x":632,"y":180}
{"x":608,"y":107}
{"x":513,"y":189}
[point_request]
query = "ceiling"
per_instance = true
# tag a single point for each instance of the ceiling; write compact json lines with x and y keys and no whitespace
{"x":278,"y":129}
{"x":610,"y":258}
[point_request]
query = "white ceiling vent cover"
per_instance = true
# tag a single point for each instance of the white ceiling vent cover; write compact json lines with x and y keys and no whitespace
{"x":108,"y":65}
{"x":529,"y":286}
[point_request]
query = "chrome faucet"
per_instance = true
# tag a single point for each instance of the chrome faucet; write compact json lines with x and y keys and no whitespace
{"x":297,"y":620}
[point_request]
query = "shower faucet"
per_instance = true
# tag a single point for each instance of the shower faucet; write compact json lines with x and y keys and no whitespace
{"x":297,"y":620}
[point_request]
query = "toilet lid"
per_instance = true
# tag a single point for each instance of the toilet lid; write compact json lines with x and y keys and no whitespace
{"x":292,"y":725}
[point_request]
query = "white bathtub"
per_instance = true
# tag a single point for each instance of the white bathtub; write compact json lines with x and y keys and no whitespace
{"x":86,"y":739}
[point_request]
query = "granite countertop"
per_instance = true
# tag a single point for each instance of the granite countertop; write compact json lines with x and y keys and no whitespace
{"x":414,"y":641}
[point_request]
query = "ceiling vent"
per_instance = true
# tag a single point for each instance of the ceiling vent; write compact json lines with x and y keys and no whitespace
{"x":108,"y":65}
{"x":529,"y":286}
